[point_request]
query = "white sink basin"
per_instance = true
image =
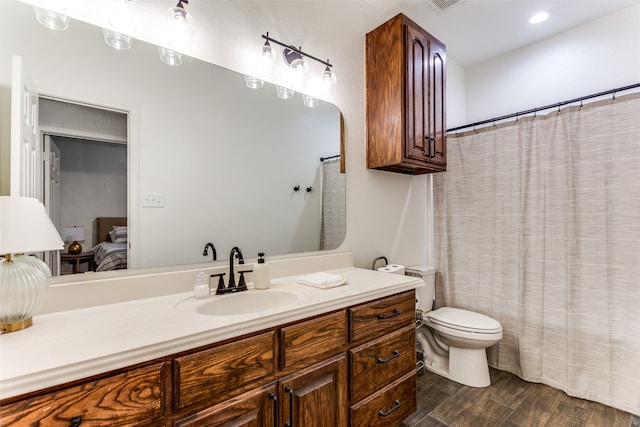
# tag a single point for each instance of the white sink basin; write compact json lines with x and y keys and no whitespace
{"x":251,"y":301}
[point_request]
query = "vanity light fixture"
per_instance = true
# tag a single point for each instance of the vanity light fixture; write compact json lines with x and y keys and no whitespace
{"x":25,"y":227}
{"x":181,"y":27}
{"x":295,"y":59}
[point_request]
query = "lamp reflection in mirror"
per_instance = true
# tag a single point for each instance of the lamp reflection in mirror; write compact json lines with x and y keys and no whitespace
{"x":24,"y":227}
{"x":116,"y":40}
{"x":284,"y":92}
{"x":309,"y":101}
{"x":253,"y":82}
{"x":74,"y":234}
{"x":170,"y":57}
{"x":181,"y":28}
{"x":52,"y":20}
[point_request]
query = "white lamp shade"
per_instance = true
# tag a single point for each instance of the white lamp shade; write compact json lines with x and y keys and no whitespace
{"x":74,"y":234}
{"x":25,"y":226}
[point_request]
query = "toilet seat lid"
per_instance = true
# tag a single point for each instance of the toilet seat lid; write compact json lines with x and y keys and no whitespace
{"x":464,"y":320}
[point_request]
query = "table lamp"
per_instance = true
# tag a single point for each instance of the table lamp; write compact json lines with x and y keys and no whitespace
{"x":25,"y":227}
{"x":74,"y":234}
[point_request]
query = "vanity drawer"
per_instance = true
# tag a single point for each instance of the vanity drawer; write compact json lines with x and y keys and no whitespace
{"x":379,"y":317}
{"x":389,"y":406}
{"x":380,"y":362}
{"x":221,"y":372}
{"x":131,"y":398}
{"x":311,"y":341}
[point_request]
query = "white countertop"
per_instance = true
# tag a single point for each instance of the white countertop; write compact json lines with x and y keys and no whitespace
{"x":75,"y":344}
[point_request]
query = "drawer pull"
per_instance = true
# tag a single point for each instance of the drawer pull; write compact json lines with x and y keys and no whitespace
{"x":76,"y":421}
{"x":395,"y":355}
{"x":289,"y":391}
{"x":273,"y":397}
{"x":396,"y":406}
{"x":394,"y":313}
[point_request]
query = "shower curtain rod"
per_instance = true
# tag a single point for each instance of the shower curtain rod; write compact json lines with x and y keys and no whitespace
{"x":547,"y":107}
{"x":322,"y":159}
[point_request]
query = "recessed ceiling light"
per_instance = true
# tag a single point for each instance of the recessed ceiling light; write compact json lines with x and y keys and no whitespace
{"x":539,"y":17}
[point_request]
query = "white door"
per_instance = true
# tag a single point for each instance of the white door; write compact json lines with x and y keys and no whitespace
{"x":52,"y":194}
{"x":25,"y":169}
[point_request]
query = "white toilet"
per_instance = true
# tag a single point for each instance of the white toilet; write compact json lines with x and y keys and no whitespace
{"x":454,"y":341}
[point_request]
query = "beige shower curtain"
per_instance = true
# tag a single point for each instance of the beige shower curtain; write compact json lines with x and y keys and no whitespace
{"x":537,"y":224}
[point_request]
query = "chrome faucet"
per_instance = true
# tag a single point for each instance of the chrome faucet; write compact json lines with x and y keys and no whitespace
{"x":235,"y":253}
{"x":213,"y":248}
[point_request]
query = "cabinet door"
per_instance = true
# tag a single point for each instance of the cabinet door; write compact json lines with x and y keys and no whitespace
{"x":436,"y":137}
{"x":417,"y":143}
{"x":316,"y":396}
{"x":256,"y":408}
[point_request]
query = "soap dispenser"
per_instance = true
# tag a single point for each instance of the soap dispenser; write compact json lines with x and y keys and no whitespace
{"x":261,"y":274}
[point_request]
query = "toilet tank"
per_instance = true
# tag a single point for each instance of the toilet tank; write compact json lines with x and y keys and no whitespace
{"x":424,"y":294}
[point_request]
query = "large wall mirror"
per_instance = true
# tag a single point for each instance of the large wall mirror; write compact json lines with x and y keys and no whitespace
{"x":225,"y":160}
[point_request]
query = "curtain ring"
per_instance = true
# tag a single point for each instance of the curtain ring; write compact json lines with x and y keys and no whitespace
{"x":581,"y":99}
{"x":614,"y":95}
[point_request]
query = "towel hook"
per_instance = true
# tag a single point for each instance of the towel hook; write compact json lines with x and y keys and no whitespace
{"x":296,"y":188}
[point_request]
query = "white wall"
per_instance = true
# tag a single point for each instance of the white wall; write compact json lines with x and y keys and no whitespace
{"x":598,"y":56}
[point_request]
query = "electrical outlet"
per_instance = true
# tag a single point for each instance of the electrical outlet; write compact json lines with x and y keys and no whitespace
{"x":153,"y":200}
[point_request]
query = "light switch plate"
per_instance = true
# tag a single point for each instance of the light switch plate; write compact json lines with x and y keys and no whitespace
{"x":152,"y":200}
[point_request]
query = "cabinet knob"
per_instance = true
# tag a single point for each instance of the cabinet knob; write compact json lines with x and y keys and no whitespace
{"x":395,"y":355}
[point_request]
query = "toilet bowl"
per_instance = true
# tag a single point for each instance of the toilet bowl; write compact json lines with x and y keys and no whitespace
{"x":453,"y":340}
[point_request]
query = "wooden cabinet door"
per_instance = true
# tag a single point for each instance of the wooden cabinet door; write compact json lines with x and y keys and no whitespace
{"x":316,"y":396}
{"x":437,"y":125}
{"x":256,"y":408}
{"x":417,"y":138}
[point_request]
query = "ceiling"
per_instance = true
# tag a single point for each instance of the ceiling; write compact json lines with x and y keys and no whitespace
{"x":477,"y":30}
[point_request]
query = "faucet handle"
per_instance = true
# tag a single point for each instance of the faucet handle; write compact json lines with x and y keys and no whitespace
{"x":220,"y":289}
{"x":242,"y":285}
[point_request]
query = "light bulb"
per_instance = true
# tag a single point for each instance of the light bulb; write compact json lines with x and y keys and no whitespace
{"x":300,"y":73}
{"x":181,"y":29}
{"x":123,"y":16}
{"x":268,"y":61}
{"x":329,"y":82}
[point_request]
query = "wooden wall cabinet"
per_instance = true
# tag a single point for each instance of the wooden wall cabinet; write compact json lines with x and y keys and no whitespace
{"x":405,"y":91}
{"x":351,"y":367}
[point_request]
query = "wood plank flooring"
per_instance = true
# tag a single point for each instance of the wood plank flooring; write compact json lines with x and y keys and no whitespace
{"x":508,"y":402}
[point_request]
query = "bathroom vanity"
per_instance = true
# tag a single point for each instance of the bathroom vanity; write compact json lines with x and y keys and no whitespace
{"x":341,"y":356}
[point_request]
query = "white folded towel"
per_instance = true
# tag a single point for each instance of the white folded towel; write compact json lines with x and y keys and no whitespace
{"x":322,"y":280}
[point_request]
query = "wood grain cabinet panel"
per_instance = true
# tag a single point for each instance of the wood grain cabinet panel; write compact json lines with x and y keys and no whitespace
{"x":256,"y":408}
{"x":221,"y":372}
{"x":316,"y":396}
{"x":405,"y":90}
{"x":379,"y":317}
{"x":380,"y":362}
{"x":310,"y":341}
{"x":388,"y":407}
{"x":134,"y":398}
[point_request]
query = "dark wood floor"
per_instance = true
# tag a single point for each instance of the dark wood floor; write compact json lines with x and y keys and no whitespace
{"x":508,"y":402}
